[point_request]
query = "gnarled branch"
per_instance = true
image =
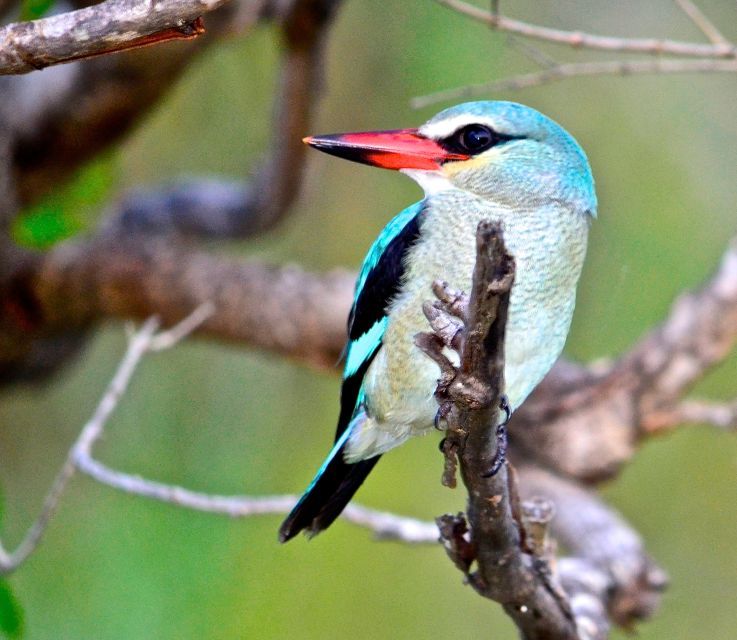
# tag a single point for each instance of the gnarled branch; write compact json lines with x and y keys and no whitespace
{"x":110,"y":26}
{"x":469,"y":396}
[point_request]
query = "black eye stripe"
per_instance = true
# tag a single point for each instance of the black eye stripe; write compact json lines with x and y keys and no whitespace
{"x":474,"y":139}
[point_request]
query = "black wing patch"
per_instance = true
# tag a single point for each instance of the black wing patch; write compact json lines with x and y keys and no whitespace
{"x":379,"y":289}
{"x":383,"y":281}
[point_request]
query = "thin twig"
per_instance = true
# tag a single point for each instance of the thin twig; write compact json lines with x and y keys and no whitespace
{"x":722,"y":415}
{"x":167,"y":339}
{"x":707,"y":27}
{"x":139,"y":344}
{"x":137,"y":347}
{"x":537,"y":55}
{"x":578,"y":69}
{"x":581,"y":40}
{"x":386,"y":526}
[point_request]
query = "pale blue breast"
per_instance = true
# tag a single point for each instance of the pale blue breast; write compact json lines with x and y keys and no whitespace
{"x":549,"y":246}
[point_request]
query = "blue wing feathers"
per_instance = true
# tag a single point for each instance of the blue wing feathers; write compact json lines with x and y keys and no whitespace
{"x":392,"y":229}
{"x":379,"y":279}
{"x":378,"y":283}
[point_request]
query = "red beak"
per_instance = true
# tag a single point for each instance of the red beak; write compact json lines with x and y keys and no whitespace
{"x":398,"y":149}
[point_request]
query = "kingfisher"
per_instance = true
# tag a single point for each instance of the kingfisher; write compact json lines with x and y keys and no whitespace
{"x":488,"y":160}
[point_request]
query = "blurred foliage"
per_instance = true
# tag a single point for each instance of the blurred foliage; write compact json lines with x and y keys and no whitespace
{"x":11,"y":614}
{"x":35,"y":9}
{"x":70,"y":210}
{"x":229,"y":420}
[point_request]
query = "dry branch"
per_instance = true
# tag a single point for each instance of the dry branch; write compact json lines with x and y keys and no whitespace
{"x":609,"y":574}
{"x":581,"y":40}
{"x":718,"y":57}
{"x":140,"y":343}
{"x":148,"y":339}
{"x":560,"y":72}
{"x":282,"y":309}
{"x":469,"y":398}
{"x":110,"y":26}
{"x":587,"y":423}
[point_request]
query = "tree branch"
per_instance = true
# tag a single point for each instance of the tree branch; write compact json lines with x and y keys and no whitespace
{"x":719,"y":56}
{"x":234,"y":209}
{"x":103,"y":28}
{"x":385,"y":526}
{"x":706,"y":26}
{"x":141,"y":342}
{"x":560,"y":72}
{"x":282,"y":309}
{"x":581,"y":40}
{"x":586,"y":423}
{"x":469,"y":396}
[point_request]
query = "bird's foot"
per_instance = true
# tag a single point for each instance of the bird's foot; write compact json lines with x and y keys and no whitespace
{"x":506,"y":407}
{"x":500,"y":456}
{"x":441,"y":416}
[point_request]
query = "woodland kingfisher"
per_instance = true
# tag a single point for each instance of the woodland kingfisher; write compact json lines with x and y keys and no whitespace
{"x":498,"y":161}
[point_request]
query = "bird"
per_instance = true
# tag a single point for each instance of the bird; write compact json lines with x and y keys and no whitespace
{"x":485,"y":160}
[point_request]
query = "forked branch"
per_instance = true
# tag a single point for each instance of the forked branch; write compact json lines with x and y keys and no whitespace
{"x":665,"y":56}
{"x":581,"y":40}
{"x":489,"y":548}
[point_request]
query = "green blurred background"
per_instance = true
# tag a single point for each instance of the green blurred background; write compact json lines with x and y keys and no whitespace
{"x":229,"y":420}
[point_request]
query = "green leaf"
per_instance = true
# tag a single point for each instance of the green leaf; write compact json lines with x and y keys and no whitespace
{"x":11,"y":614}
{"x":34,"y":9}
{"x":43,"y":226}
{"x":70,"y":210}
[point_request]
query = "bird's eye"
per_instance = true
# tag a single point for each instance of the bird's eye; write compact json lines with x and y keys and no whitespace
{"x":474,"y":139}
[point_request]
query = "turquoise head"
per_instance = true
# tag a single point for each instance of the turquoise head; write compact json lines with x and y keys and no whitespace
{"x":503,"y":151}
{"x":518,"y":156}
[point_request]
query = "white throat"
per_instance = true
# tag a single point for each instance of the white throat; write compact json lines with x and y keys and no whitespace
{"x":432,"y":182}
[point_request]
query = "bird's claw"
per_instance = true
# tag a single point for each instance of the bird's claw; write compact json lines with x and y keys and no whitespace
{"x":440,"y":415}
{"x":501,"y":439}
{"x":500,"y":456}
{"x":505,"y":406}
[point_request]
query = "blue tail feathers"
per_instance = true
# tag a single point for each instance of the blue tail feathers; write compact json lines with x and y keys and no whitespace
{"x":329,"y":492}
